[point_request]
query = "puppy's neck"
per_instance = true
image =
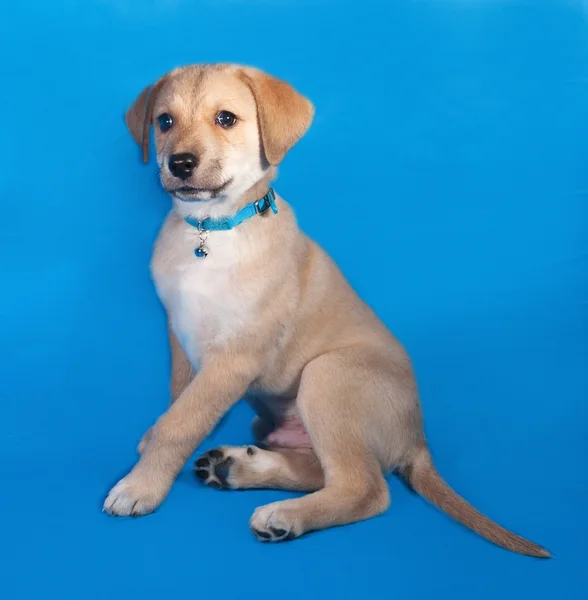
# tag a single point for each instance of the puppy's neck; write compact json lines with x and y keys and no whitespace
{"x":227,"y":204}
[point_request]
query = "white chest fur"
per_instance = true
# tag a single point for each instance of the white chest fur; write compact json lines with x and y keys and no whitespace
{"x":205,"y":298}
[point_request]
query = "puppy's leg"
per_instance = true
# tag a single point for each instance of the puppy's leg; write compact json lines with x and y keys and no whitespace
{"x":242,"y":467}
{"x":221,"y":382}
{"x":331,"y":389}
{"x":182,"y":374}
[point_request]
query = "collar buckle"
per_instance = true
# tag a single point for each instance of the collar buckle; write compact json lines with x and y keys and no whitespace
{"x":263,"y":204}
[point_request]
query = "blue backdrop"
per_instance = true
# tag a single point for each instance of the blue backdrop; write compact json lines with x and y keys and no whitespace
{"x":462,"y":126}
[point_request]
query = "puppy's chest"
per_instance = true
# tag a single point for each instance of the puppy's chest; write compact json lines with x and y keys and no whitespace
{"x":204,"y":297}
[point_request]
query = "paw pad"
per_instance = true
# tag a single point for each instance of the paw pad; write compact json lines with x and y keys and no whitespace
{"x":214,"y":469}
{"x":273,"y":534}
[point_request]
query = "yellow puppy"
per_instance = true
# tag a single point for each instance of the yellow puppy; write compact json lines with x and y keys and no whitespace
{"x":257,"y":309}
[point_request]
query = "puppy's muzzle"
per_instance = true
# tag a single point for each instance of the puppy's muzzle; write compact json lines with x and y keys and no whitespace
{"x":182,"y":165}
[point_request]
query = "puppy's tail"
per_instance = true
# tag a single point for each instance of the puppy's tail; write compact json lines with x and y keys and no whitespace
{"x":425,"y":479}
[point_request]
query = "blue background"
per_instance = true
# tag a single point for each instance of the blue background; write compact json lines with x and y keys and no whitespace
{"x":462,"y":128}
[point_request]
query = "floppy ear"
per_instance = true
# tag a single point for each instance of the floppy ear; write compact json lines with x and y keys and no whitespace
{"x":284,"y":115}
{"x":138,"y":117}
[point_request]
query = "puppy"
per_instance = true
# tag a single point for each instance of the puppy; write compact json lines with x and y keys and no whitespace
{"x":258,"y":310}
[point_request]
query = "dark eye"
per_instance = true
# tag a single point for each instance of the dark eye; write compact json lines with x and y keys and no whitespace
{"x":226,"y":119}
{"x":165,"y":122}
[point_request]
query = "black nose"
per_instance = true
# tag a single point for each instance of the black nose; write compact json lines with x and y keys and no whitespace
{"x":182,"y":165}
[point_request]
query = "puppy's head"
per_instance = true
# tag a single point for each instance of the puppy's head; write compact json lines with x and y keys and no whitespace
{"x":219,"y":129}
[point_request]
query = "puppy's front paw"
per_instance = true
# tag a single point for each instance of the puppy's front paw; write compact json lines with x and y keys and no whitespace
{"x":131,"y":497}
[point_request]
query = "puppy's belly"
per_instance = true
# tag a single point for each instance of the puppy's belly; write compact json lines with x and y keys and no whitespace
{"x":290,"y":433}
{"x":281,"y":414}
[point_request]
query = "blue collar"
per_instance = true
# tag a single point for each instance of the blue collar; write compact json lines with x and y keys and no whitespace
{"x":226,"y":223}
{"x":204,"y":226}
